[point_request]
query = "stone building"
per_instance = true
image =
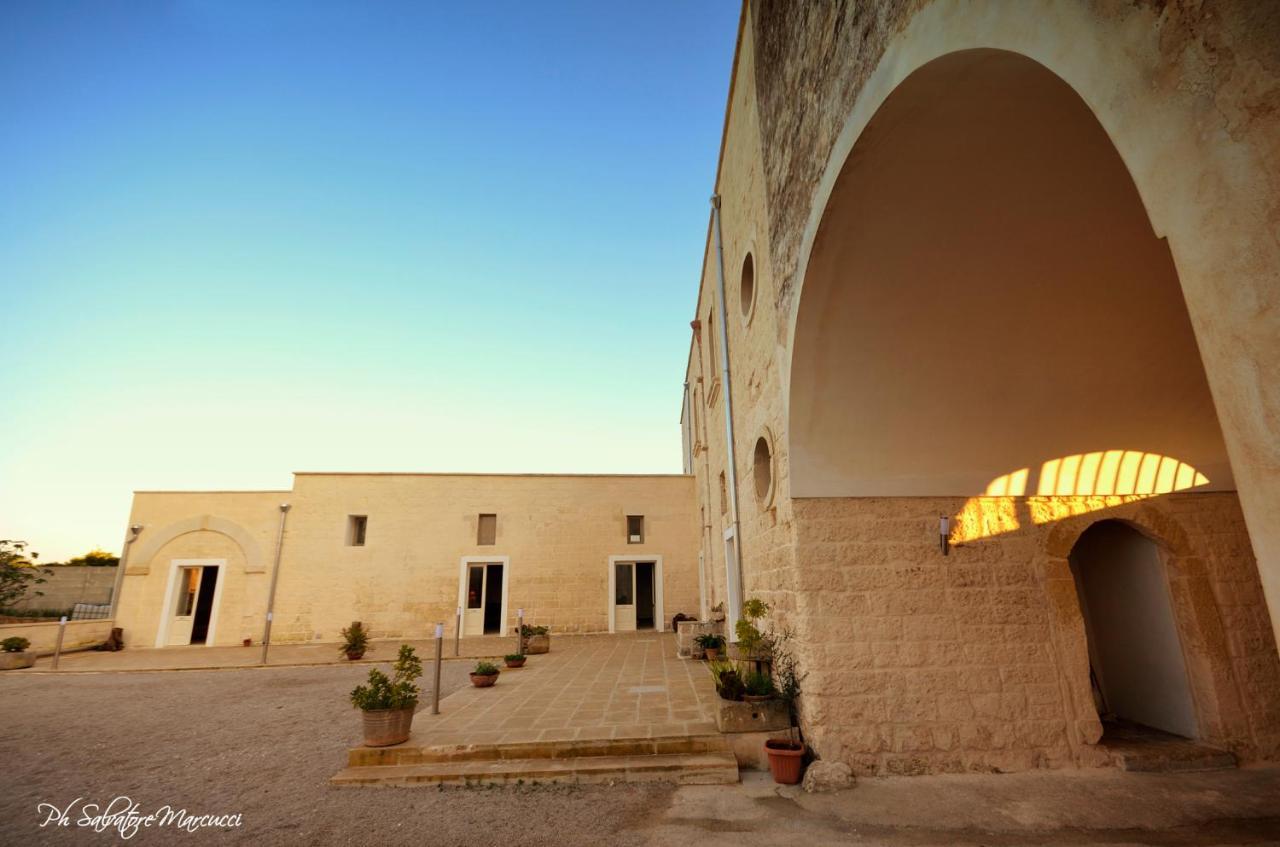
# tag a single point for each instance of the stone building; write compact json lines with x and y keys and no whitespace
{"x":401,"y":552}
{"x":983,"y":392}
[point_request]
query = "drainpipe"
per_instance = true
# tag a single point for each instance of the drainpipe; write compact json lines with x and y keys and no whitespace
{"x":130,"y":537}
{"x":733,"y":570}
{"x":275,"y":574}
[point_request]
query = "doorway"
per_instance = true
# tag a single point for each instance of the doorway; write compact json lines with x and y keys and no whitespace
{"x":191,"y":604}
{"x":635,"y":594}
{"x":1136,"y":661}
{"x":484,"y":597}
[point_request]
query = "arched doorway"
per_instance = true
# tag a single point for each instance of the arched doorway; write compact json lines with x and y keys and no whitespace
{"x":1137,"y":666}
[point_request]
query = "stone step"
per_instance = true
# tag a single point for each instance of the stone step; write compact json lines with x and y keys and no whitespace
{"x":714,"y":768}
{"x":1171,"y":758}
{"x":411,"y":753}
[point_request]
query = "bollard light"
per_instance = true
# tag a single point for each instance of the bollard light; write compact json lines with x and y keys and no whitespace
{"x":944,"y":533}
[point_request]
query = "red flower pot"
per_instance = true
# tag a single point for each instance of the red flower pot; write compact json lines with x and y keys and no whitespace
{"x":786,"y":759}
{"x":483,"y":680}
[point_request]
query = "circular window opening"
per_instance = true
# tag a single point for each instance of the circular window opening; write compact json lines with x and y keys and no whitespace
{"x":747,"y":293}
{"x":763,"y":460}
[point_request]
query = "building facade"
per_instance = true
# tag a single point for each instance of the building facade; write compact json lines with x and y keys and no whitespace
{"x":984,"y":378}
{"x":401,"y":552}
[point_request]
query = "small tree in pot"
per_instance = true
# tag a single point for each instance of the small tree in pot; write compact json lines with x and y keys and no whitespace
{"x":786,"y":756}
{"x":388,"y":702}
{"x":355,"y":641}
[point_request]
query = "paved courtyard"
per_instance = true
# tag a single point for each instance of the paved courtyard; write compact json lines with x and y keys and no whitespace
{"x":262,"y":743}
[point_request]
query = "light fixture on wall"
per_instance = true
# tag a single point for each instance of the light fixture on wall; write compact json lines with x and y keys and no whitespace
{"x":944,"y":533}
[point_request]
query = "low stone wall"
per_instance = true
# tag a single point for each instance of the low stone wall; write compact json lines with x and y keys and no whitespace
{"x":67,"y":585}
{"x":44,"y":636}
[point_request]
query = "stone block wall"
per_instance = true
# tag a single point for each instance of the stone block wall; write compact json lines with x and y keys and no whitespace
{"x":977,"y":661}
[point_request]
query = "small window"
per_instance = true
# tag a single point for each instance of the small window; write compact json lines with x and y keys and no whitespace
{"x":763,"y":462}
{"x":747,"y":290}
{"x":635,"y":529}
{"x":724,"y":495}
{"x":710,"y":341}
{"x":356,"y":525}
{"x":487,"y":532}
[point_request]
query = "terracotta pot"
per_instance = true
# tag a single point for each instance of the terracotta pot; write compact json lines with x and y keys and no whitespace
{"x":353,"y":655}
{"x":484,"y":680}
{"x":384,"y":727}
{"x":712,"y":653}
{"x":516,"y":663}
{"x":786,"y":761}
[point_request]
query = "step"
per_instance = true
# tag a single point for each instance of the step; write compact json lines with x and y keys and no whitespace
{"x":1173,"y":758}
{"x":410,"y":753}
{"x":717,"y":768}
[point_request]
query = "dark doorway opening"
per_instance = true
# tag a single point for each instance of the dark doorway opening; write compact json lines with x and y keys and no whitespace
{"x":204,"y":606}
{"x":493,"y":599}
{"x":644,"y":595}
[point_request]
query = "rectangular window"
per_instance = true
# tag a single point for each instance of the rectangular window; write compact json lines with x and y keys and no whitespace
{"x":635,"y":529}
{"x":356,"y":525}
{"x":711,"y":348}
{"x":487,"y":532}
{"x":724,"y":495}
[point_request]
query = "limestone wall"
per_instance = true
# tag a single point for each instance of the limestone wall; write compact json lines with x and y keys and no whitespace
{"x":44,"y":636}
{"x":556,"y":533}
{"x":67,"y":585}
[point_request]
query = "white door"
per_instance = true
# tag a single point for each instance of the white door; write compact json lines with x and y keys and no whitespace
{"x":624,"y":596}
{"x":184,"y":605}
{"x":483,"y":609}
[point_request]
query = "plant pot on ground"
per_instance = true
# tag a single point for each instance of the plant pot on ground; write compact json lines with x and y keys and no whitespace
{"x":14,"y":654}
{"x":711,"y":645}
{"x":515,"y":660}
{"x":484,"y":675}
{"x":537,"y":639}
{"x":786,"y":760}
{"x":355,"y":641}
{"x":387,"y":703}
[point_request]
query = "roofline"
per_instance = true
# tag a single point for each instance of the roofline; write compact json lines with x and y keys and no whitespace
{"x":498,"y":474}
{"x":213,"y":491}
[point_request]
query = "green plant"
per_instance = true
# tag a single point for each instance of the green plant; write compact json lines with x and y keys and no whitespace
{"x":485,"y":669}
{"x":787,"y":675}
{"x":710,"y":641}
{"x":16,"y":644}
{"x":513,"y":657}
{"x":527,"y":630}
{"x":751,"y":640}
{"x":727,"y":678}
{"x":758,"y":684}
{"x":354,"y":639}
{"x":395,"y":692}
{"x":18,"y":572}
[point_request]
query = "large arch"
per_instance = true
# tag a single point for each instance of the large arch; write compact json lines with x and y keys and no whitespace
{"x":1196,"y":166}
{"x":155,"y":540}
{"x":985,"y":298}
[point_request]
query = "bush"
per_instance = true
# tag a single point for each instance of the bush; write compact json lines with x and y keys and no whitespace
{"x":710,"y":641}
{"x":527,"y":630}
{"x":485,"y":669}
{"x":513,"y":657}
{"x":354,"y":639}
{"x":758,"y":684}
{"x":395,"y":692}
{"x":16,"y":644}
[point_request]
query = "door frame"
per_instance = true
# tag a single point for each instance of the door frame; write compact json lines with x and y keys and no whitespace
{"x":659,"y":619}
{"x":166,"y":613}
{"x":466,"y":562}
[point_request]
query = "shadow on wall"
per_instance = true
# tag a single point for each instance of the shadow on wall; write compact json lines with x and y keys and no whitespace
{"x":1109,"y":474}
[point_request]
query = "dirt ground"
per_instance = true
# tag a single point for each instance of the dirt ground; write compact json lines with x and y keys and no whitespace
{"x":262,"y":743}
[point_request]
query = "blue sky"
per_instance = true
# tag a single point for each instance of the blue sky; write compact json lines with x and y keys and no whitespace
{"x":243,"y":239}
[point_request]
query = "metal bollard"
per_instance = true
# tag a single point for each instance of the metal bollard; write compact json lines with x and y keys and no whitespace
{"x":457,"y":633}
{"x":57,"y":650}
{"x":435,"y":688}
{"x":520,"y":631}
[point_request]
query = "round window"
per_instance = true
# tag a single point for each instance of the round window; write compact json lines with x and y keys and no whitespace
{"x":747,"y":293}
{"x":763,"y":461}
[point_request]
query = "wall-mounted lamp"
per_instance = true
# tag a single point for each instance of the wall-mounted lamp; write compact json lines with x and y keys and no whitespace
{"x":944,"y":533}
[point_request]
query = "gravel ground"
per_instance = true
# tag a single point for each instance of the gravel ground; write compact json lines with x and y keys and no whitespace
{"x":261,"y":743}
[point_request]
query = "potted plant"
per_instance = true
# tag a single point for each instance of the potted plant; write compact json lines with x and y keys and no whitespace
{"x":786,"y":756}
{"x":757,"y":687}
{"x":355,"y":640}
{"x":711,"y":645}
{"x":537,"y":639}
{"x":515,"y":660}
{"x":14,"y":654}
{"x":484,"y":675}
{"x":388,"y":702}
{"x":753,"y":644}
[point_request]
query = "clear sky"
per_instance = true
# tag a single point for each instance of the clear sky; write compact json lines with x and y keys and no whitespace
{"x":239,"y":239}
